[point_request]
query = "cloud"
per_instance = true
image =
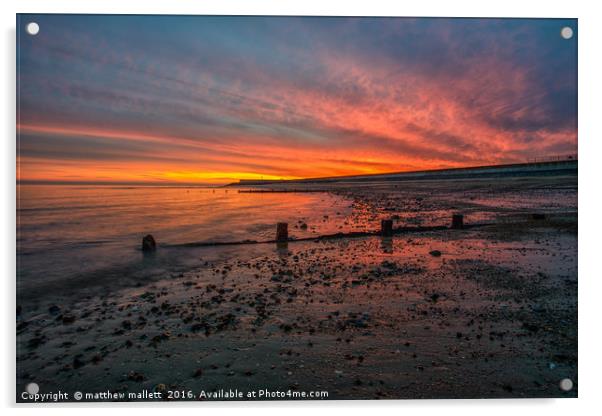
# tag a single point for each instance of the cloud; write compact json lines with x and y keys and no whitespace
{"x":291,"y":97}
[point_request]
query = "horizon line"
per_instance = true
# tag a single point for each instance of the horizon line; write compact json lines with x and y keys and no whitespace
{"x":570,"y":158}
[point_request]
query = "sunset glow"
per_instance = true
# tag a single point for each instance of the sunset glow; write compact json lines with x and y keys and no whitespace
{"x":216,"y":99}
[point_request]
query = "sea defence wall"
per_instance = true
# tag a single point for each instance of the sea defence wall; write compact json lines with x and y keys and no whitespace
{"x":565,"y":167}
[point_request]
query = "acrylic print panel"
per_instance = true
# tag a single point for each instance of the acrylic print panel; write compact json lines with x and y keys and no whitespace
{"x":278,"y":208}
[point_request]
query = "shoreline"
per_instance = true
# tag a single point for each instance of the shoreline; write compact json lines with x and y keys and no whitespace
{"x":482,"y":312}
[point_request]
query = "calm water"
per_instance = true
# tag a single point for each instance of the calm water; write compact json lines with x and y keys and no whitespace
{"x":83,"y":237}
{"x":66,"y":232}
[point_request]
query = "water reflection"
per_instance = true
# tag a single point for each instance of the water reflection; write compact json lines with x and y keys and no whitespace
{"x":64,"y":231}
{"x":282,"y":250}
{"x":386,"y":245}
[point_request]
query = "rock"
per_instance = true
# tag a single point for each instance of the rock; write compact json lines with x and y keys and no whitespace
{"x":198,"y":372}
{"x":303,"y":226}
{"x":68,"y":319}
{"x":36,"y":342}
{"x":135,"y":376}
{"x":161,"y":337}
{"x":435,"y":253}
{"x":148,"y":296}
{"x":54,"y":310}
{"x":77,"y":363}
{"x":148,"y":243}
{"x":531,"y":327}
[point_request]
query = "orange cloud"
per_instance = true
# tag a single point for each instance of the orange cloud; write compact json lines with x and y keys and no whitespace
{"x":409,"y":96}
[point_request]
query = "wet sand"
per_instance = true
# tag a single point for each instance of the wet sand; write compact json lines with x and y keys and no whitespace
{"x":487,"y":312}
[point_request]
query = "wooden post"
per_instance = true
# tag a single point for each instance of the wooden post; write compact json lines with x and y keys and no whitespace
{"x":148,"y":243}
{"x":457,"y":221}
{"x":386,"y":228}
{"x":282,"y":232}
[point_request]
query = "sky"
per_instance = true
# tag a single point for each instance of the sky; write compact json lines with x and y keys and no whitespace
{"x":214,"y":99}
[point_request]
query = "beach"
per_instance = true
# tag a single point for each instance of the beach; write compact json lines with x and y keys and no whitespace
{"x":489,"y":310}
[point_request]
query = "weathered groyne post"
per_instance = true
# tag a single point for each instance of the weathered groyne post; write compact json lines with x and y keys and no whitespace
{"x":386,"y":228}
{"x":457,"y":221}
{"x":282,"y":232}
{"x":148,"y":243}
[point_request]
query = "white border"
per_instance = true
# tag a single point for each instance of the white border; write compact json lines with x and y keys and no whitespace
{"x":590,"y":204}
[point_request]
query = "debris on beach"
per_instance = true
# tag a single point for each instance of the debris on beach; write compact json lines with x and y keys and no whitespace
{"x":148,"y":243}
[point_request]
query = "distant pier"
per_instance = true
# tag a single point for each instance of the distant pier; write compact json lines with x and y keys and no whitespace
{"x":536,"y":168}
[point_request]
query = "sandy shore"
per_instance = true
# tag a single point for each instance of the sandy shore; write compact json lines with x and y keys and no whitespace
{"x":487,"y":312}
